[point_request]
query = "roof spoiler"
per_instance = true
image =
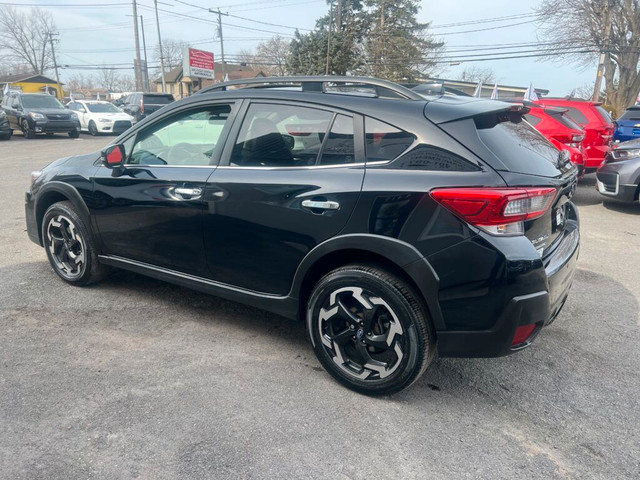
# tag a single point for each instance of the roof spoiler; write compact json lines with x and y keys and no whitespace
{"x":450,"y":109}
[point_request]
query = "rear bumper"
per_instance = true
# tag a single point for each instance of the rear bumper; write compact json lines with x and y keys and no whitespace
{"x":538,"y":308}
{"x":594,"y":157}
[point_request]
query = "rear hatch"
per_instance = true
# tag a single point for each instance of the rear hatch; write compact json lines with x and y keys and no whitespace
{"x":497,"y":133}
{"x":152,"y":103}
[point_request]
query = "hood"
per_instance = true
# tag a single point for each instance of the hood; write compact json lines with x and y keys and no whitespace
{"x":45,"y":111}
{"x":631,"y":144}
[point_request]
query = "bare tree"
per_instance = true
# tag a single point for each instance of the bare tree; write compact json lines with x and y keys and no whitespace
{"x":478,"y":74}
{"x":25,"y":36}
{"x":271,"y":56}
{"x":79,"y":82}
{"x":576,"y":30}
{"x":126,"y":83}
{"x":172,"y":51}
{"x":108,"y":78}
{"x":246,"y":57}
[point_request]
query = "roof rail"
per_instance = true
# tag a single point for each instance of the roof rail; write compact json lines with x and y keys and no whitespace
{"x":317,"y":84}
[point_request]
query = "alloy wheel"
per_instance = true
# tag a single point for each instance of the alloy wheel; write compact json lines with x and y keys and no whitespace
{"x":362,"y":334}
{"x":66,"y":246}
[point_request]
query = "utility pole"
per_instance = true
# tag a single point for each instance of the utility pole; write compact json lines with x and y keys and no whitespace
{"x":164,"y":84}
{"x":146,"y":64}
{"x":136,"y":65}
{"x":55,"y":65}
{"x":604,"y":54}
{"x":224,"y":65}
{"x":326,"y":69}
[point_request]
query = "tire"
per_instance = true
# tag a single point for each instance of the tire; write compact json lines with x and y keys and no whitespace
{"x":370,"y":329}
{"x":93,"y":130}
{"x":28,"y":133}
{"x":6,"y":136}
{"x":70,"y":246}
{"x":74,"y":133}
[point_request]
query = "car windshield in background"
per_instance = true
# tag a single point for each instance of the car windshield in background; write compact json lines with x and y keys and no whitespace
{"x":157,"y":99}
{"x":102,"y":108}
{"x":40,"y":101}
{"x":631,"y":114}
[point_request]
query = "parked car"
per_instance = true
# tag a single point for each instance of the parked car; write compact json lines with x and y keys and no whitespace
{"x":5,"y":129}
{"x":35,"y":113}
{"x":140,"y":104}
{"x":560,"y":129}
{"x":596,"y":123}
{"x":628,"y":125}
{"x":619,"y":176}
{"x":462,"y":235}
{"x":100,"y":117}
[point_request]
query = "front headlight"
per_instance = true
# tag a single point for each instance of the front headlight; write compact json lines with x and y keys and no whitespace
{"x":37,"y":116}
{"x":619,"y":155}
{"x":105,"y":120}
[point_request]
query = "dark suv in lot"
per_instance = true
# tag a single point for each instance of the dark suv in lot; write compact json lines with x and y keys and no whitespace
{"x":140,"y":104}
{"x":391,"y":224}
{"x":35,"y":113}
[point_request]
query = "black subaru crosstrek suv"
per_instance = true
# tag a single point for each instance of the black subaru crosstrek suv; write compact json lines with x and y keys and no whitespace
{"x":36,"y":113}
{"x":390,"y":223}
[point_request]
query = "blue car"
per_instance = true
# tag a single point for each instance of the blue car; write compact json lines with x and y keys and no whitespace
{"x":628,"y":125}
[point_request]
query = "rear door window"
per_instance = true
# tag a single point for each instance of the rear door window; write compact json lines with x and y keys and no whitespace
{"x":385,"y":142}
{"x":284,"y":136}
{"x":339,"y":146}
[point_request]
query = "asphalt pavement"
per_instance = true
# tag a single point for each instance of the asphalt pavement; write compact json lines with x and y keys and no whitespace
{"x":135,"y":378}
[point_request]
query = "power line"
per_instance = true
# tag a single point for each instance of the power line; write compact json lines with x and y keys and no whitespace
{"x":486,"y":20}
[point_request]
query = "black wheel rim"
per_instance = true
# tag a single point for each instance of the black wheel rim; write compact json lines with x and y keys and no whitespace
{"x":66,"y":246}
{"x":362,"y":334}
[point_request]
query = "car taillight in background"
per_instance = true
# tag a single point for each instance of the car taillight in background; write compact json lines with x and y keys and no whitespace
{"x":498,"y":211}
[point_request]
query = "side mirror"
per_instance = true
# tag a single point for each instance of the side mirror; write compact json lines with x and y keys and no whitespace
{"x":113,"y":156}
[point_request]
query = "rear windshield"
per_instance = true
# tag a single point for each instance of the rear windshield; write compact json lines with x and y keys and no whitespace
{"x":40,"y":101}
{"x":516,"y":143}
{"x":102,"y":108}
{"x":604,"y":114}
{"x":577,"y":116}
{"x":564,"y":119}
{"x":631,"y":114}
{"x":158,"y":99}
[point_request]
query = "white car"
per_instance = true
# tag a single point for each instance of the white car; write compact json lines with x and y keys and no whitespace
{"x":100,"y":117}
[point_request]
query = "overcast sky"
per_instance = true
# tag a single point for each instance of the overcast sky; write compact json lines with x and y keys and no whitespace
{"x":104,"y":35}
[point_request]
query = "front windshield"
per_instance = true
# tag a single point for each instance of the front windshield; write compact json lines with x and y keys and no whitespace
{"x":40,"y":101}
{"x":102,"y":108}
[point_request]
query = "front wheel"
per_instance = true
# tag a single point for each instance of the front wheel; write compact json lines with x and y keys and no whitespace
{"x":369,"y":329}
{"x":74,"y":133}
{"x":26,"y":131}
{"x":70,"y":246}
{"x":93,"y":129}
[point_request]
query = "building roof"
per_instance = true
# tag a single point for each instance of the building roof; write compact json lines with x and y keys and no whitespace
{"x":27,"y":78}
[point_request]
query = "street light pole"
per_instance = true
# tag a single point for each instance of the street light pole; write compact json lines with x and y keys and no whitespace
{"x":55,"y":65}
{"x":224,"y":66}
{"x":136,"y":65}
{"x":164,"y":83}
{"x":146,"y":64}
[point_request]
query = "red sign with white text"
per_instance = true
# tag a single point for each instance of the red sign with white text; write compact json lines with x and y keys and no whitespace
{"x":198,"y":63}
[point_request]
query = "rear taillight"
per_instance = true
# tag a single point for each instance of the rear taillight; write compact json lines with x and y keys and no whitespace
{"x":522,"y":334}
{"x":498,"y":211}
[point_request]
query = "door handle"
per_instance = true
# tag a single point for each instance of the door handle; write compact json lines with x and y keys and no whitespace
{"x":190,"y":193}
{"x":320,"y":205}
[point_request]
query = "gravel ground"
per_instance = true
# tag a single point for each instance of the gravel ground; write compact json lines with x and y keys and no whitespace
{"x":135,"y":378}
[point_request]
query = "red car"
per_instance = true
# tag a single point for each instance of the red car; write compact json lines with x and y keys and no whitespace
{"x":560,"y":129}
{"x":596,"y":122}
